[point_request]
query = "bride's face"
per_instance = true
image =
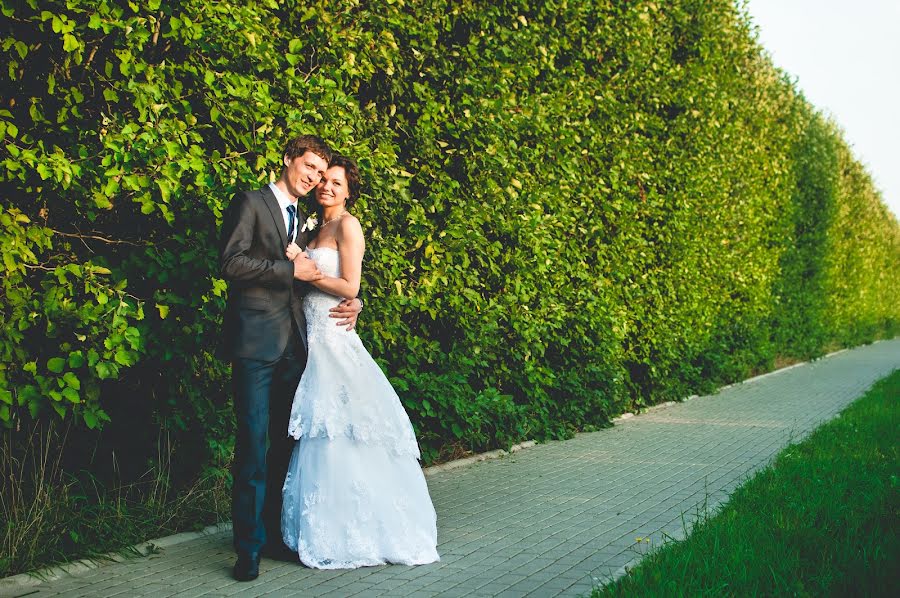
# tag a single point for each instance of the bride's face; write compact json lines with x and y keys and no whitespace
{"x":333,"y":190}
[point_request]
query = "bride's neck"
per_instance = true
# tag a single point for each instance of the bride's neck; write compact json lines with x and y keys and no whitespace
{"x":332,"y":212}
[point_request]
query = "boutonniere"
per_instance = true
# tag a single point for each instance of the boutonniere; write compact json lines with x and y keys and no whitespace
{"x":310,"y":223}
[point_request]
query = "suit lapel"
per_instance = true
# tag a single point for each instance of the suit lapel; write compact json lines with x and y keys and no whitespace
{"x":275,"y":209}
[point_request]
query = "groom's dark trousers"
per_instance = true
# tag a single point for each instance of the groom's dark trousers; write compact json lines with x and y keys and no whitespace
{"x":265,"y":334}
{"x":263,"y":393}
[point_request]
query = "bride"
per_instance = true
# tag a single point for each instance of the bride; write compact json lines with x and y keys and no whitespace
{"x":354,"y":494}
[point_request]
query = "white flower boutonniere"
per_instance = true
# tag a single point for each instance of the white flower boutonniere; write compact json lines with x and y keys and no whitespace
{"x":310,"y":223}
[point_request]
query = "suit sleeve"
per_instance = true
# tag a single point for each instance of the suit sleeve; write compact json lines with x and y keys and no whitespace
{"x":238,"y":227}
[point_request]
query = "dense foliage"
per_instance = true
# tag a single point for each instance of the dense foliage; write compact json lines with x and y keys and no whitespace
{"x":572,"y":208}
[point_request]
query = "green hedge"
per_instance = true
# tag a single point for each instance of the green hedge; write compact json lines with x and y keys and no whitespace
{"x":573,"y":208}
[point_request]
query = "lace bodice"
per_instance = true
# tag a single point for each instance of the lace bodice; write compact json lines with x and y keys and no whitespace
{"x":317,"y":303}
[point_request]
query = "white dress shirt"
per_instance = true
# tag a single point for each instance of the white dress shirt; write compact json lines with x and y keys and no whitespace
{"x":284,"y":201}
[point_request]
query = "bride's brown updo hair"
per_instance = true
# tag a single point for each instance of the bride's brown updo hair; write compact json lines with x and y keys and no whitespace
{"x":354,"y":182}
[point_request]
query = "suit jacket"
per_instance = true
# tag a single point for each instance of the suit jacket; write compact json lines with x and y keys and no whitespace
{"x":264,"y":300}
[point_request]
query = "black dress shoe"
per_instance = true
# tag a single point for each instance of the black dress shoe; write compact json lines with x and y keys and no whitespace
{"x":247,"y":566}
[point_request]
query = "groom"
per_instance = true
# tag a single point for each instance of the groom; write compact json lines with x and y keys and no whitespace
{"x":265,"y":337}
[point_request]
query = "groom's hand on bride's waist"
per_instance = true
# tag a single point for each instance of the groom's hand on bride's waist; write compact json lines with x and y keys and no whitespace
{"x":347,"y":311}
{"x":305,"y":269}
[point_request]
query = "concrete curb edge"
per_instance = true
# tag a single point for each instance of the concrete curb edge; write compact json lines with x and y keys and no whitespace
{"x":15,"y":583}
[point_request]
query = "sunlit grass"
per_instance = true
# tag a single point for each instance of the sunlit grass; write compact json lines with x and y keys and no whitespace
{"x":822,"y":520}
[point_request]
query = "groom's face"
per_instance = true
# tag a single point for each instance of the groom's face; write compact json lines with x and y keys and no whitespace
{"x":303,"y":173}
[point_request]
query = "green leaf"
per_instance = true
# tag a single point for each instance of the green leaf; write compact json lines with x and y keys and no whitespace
{"x":106,"y":370}
{"x":71,"y":395}
{"x":90,"y":419}
{"x":165,"y":189}
{"x":76,"y":359}
{"x":70,"y":43}
{"x":56,"y":364}
{"x":125,"y":357}
{"x":101,"y":201}
{"x":72,"y":380}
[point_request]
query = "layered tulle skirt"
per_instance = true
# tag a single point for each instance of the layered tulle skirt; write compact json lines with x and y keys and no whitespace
{"x":348,"y":504}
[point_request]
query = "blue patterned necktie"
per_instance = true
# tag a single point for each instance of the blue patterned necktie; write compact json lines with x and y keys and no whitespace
{"x":292,"y":210}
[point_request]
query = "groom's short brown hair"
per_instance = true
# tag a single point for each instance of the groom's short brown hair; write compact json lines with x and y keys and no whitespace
{"x":307,"y":143}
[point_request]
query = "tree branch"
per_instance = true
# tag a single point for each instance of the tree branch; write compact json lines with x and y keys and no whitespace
{"x":157,"y":28}
{"x":98,"y":238}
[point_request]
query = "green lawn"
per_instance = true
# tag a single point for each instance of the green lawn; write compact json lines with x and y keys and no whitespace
{"x":822,"y":520}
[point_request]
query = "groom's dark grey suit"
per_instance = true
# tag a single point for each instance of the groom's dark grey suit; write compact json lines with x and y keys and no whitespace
{"x":265,"y":336}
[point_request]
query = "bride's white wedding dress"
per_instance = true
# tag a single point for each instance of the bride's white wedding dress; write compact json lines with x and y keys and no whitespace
{"x":354,"y":494}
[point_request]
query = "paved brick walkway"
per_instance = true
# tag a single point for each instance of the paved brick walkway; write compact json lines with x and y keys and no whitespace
{"x":555,"y":519}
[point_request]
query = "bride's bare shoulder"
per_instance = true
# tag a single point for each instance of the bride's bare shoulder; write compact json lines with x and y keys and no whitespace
{"x":350,"y":228}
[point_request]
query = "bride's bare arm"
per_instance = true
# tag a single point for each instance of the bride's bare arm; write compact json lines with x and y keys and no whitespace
{"x":351,"y":246}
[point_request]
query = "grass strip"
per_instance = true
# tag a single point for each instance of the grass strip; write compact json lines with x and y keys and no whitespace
{"x":821,"y":520}
{"x":50,"y":517}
